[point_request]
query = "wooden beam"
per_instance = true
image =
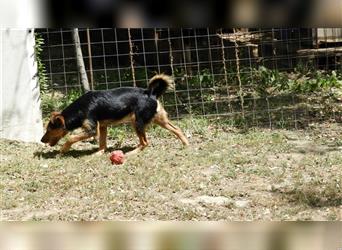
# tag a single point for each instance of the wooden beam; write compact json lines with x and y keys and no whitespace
{"x":320,"y":52}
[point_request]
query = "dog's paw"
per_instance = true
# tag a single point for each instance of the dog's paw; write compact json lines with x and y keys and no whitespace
{"x":99,"y":152}
{"x":65,"y":148}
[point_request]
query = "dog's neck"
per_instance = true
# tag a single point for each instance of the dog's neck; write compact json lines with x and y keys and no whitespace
{"x":71,"y":121}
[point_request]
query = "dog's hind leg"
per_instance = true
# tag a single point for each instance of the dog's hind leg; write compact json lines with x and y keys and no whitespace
{"x":162,"y":120}
{"x":139,"y":127}
{"x":143,"y":143}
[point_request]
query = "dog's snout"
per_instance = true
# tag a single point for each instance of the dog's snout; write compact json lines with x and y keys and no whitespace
{"x":44,"y":140}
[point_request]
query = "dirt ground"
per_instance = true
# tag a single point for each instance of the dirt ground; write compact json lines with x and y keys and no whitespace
{"x":226,"y":174}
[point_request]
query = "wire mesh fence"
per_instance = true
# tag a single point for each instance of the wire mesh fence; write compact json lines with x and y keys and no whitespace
{"x":257,"y":77}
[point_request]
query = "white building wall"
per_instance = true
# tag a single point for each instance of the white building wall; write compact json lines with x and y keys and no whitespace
{"x":23,"y":13}
{"x":20,"y":115}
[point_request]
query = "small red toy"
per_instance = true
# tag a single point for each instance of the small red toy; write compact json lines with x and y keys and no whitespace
{"x":117,"y":157}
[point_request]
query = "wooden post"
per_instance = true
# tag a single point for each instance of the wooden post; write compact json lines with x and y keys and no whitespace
{"x":80,"y":62}
{"x":237,"y":59}
{"x":90,"y":61}
{"x":131,"y":57}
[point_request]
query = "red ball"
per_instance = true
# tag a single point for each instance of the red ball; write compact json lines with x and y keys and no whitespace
{"x":117,"y":157}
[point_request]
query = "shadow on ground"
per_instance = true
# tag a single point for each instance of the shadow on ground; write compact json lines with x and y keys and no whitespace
{"x":75,"y":153}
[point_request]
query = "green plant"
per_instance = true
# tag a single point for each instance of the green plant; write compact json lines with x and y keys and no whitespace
{"x":203,"y":78}
{"x":316,"y":81}
{"x":41,"y":70}
{"x":56,"y":101}
{"x":302,"y":80}
{"x":72,"y":96}
{"x":119,"y":134}
{"x":49,"y":104}
{"x":304,"y":68}
{"x":267,"y":81}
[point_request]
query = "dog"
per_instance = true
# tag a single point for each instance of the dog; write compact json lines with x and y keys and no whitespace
{"x":94,"y":111}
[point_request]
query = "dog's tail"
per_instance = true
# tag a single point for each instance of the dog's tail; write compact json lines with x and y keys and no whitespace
{"x":159,"y":84}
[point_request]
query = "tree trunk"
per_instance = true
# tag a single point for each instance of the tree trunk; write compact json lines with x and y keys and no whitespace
{"x":80,"y":62}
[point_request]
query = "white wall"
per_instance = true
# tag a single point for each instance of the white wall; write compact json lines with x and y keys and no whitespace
{"x":22,"y":13}
{"x":20,"y":115}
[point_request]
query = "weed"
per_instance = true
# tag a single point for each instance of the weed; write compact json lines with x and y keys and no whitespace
{"x":302,"y":80}
{"x":56,"y":101}
{"x":31,"y":186}
{"x":267,"y":81}
{"x":318,"y":193}
{"x":202,"y":79}
{"x":316,"y":81}
{"x":119,"y":134}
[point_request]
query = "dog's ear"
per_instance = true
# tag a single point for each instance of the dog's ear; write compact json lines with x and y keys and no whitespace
{"x":57,"y":119}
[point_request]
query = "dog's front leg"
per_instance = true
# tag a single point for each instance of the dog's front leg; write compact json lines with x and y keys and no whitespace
{"x":73,"y":139}
{"x":102,"y":139}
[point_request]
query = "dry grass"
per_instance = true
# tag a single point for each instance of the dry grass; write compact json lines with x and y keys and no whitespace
{"x":226,"y":174}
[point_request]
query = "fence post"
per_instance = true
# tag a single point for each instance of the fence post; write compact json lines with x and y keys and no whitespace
{"x":80,"y":62}
{"x":131,"y":53}
{"x":237,"y":60}
{"x":90,"y":60}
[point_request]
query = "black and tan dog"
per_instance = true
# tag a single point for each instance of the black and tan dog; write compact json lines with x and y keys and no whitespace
{"x":95,"y":110}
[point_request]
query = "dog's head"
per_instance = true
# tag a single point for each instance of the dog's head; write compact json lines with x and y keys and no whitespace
{"x":55,"y":129}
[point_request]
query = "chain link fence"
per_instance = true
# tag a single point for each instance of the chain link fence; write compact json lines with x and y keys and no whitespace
{"x":255,"y":77}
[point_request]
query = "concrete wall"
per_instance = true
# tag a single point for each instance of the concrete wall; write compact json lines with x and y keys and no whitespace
{"x":20,"y":115}
{"x":22,"y":14}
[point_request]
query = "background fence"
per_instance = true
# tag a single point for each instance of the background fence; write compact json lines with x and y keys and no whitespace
{"x":253,"y":76}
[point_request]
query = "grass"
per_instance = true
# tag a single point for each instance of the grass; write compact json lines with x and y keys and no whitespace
{"x":278,"y":174}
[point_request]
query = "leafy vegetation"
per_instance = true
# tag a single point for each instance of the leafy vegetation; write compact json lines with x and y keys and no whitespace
{"x":269,"y":81}
{"x":314,"y":81}
{"x":56,"y":101}
{"x":41,"y":71}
